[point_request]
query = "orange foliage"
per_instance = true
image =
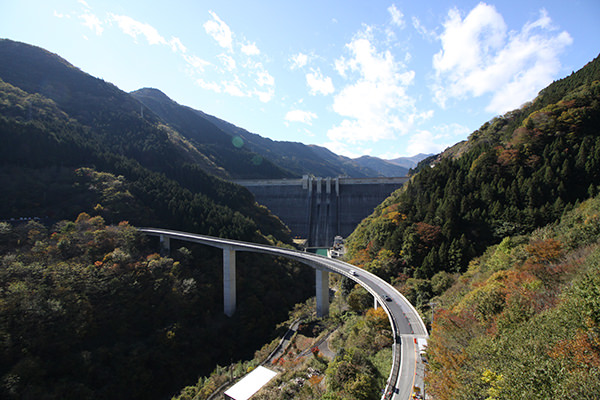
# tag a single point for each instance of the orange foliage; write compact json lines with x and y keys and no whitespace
{"x":377,"y":317}
{"x":447,"y":351}
{"x":361,"y":258}
{"x":315,"y":379}
{"x":578,"y":351}
{"x":393,"y":214}
{"x":428,"y":234}
{"x":507,"y":157}
{"x":544,"y":251}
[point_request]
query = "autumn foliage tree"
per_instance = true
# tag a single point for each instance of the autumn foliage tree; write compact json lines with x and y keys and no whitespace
{"x":524,"y":319}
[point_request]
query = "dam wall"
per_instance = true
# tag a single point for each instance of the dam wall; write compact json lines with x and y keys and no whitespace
{"x":318,"y":209}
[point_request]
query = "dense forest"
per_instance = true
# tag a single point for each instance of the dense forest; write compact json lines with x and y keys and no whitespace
{"x":359,"y":340}
{"x":524,"y":320}
{"x":518,"y":172}
{"x":496,"y":242}
{"x":89,"y":311}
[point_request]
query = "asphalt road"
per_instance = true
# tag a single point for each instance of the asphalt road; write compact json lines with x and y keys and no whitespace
{"x":404,"y":319}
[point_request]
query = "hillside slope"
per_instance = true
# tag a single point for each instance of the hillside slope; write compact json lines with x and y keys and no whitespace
{"x":497,"y":241}
{"x":55,"y":119}
{"x":516,"y":173}
{"x":234,"y":161}
{"x":297,"y":157}
{"x":386,"y":168}
{"x":90,"y":311}
{"x":524,"y":320}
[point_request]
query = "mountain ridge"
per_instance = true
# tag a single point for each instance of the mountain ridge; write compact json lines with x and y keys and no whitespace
{"x":58,"y":128}
{"x":296,"y":157}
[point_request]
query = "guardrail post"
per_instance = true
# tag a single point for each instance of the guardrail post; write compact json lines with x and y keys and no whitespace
{"x":165,"y":245}
{"x":322,"y":288}
{"x":229,"y":280}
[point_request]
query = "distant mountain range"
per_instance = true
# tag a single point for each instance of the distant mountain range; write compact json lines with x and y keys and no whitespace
{"x":212,"y":144}
{"x":214,"y":135}
{"x":63,"y":130}
{"x":396,"y":167}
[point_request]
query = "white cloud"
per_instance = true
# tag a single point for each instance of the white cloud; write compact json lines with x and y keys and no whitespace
{"x":264,"y":95}
{"x":375,"y":106}
{"x":176,"y":45}
{"x":263,"y":78}
{"x":61,"y":15}
{"x":197,"y":63}
{"x":234,"y":87}
{"x":422,"y":30}
{"x":443,"y":136}
{"x":318,"y":83}
{"x":346,"y":149}
{"x":134,"y":28}
{"x":298,"y":61}
{"x":250,"y":49}
{"x":92,"y":22}
{"x":219,"y":31}
{"x":424,"y":142}
{"x":228,"y":61}
{"x":480,"y":56}
{"x":83,"y":3}
{"x":397,"y":16}
{"x":212,"y":86}
{"x":305,"y":117}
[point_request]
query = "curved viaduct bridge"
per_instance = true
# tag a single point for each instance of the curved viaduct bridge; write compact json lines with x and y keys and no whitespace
{"x":407,"y":326}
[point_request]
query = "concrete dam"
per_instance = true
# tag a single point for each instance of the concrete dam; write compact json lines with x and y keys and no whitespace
{"x":318,"y":209}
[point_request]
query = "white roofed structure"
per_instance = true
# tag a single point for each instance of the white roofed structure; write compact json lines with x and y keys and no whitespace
{"x":250,"y":384}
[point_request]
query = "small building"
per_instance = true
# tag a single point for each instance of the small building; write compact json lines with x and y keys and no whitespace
{"x":250,"y":384}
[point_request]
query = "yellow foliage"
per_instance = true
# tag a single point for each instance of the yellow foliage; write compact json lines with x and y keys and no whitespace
{"x":494,"y":380}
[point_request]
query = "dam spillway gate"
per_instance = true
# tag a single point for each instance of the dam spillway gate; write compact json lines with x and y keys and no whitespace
{"x":318,"y":209}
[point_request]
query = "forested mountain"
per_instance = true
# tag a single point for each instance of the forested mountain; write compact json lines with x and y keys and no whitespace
{"x":500,"y":233}
{"x":386,"y":168}
{"x":521,"y":194}
{"x":159,"y":133}
{"x":232,"y":160}
{"x":214,"y":136}
{"x":89,"y":310}
{"x":517,"y":172}
{"x":409,"y":162}
{"x":55,"y":120}
{"x":524,"y":321}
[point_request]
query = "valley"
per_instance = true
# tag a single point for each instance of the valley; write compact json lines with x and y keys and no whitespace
{"x":494,"y":241}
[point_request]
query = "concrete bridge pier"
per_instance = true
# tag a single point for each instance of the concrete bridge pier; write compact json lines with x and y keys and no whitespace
{"x":165,"y":245}
{"x":229,"y":298}
{"x":229,"y":281}
{"x":322,"y":288}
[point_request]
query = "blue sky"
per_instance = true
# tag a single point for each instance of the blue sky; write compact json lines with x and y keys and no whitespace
{"x":380,"y":78}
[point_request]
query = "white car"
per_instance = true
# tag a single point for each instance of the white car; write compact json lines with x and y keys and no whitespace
{"x":353,"y":272}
